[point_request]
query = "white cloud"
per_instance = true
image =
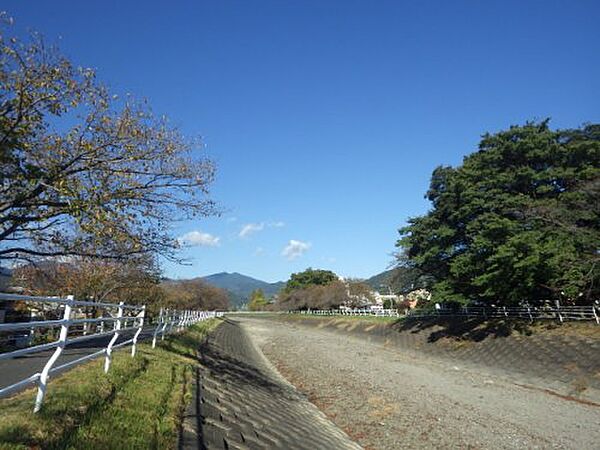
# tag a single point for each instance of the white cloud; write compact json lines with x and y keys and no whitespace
{"x":250,"y":228}
{"x":199,"y":238}
{"x":295,"y":249}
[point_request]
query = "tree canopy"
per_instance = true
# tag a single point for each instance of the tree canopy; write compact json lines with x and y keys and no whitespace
{"x":83,"y":171}
{"x":310,"y":277}
{"x":133,"y":281}
{"x":315,"y":296}
{"x":194,"y":294}
{"x":518,"y":221}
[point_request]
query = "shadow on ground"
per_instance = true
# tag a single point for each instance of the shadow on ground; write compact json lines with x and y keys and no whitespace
{"x":466,"y":329}
{"x":240,"y":403}
{"x":235,"y":370}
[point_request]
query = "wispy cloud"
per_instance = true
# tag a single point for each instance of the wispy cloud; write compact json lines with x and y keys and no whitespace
{"x":251,"y":228}
{"x":295,"y":249}
{"x":198,"y":238}
{"x":259,"y":251}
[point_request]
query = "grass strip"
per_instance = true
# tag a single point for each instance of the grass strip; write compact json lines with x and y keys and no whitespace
{"x":137,"y":405}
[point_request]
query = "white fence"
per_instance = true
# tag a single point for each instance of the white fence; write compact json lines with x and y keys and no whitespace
{"x":531,"y":313}
{"x":75,"y":327}
{"x":562,"y":313}
{"x":351,"y":312}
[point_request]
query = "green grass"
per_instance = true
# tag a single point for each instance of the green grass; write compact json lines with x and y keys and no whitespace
{"x":138,"y":405}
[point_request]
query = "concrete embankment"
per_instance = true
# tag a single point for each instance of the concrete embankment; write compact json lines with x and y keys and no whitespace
{"x":389,"y":396}
{"x":564,"y":359}
{"x":242,"y":403}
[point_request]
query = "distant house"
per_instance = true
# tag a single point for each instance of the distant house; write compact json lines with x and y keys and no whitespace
{"x":380,"y":299}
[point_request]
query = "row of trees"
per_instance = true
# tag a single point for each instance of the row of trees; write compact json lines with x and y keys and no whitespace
{"x":90,"y":182}
{"x":518,"y":221}
{"x":321,"y":289}
{"x":114,"y":281}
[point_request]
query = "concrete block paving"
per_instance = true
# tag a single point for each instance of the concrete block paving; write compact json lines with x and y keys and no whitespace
{"x":241,"y":403}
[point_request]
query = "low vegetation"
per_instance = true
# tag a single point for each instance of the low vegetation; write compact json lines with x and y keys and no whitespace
{"x":137,"y":405}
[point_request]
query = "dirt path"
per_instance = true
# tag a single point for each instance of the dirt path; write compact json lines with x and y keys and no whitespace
{"x":387,"y":399}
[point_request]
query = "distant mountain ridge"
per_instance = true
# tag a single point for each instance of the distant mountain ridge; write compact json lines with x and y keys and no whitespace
{"x":241,"y":286}
{"x":381,"y":281}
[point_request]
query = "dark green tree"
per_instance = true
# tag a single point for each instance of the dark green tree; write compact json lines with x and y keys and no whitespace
{"x":310,"y":277}
{"x":518,"y":221}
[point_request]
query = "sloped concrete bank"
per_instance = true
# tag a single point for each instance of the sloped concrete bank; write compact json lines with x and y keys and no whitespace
{"x":563,"y":360}
{"x":241,"y":402}
{"x":392,"y":397}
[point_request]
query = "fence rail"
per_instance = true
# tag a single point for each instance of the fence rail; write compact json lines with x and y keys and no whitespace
{"x":562,"y":313}
{"x":117,"y":318}
{"x":351,"y":312}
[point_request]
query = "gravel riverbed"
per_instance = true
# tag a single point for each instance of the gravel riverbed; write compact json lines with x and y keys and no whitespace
{"x":385,"y":398}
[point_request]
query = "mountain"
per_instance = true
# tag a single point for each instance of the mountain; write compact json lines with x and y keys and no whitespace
{"x":400,"y":280}
{"x":240,"y":286}
{"x":381,"y":281}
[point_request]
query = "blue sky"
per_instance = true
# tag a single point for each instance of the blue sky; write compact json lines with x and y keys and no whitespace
{"x":326,"y":118}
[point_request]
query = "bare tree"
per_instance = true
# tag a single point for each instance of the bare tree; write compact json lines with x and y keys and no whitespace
{"x":195,"y":294}
{"x":330,"y":295}
{"x":83,"y":172}
{"x":132,"y":281}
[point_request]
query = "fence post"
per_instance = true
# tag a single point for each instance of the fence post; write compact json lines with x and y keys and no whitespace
{"x":558,"y":311}
{"x":166,"y":319}
{"x":62,"y":340}
{"x":139,"y":330}
{"x":108,"y":359}
{"x":160,"y":319}
{"x":595,"y":315}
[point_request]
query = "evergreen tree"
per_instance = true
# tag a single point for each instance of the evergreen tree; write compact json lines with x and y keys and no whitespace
{"x":518,"y":221}
{"x":258,"y":301}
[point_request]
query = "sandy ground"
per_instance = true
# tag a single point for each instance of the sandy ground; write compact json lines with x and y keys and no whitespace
{"x":385,"y":398}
